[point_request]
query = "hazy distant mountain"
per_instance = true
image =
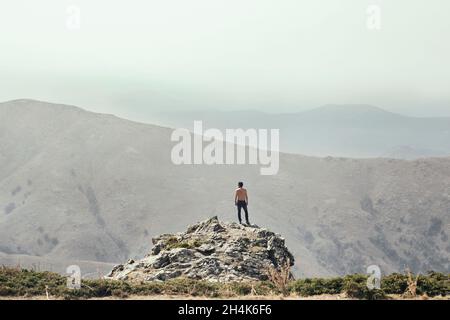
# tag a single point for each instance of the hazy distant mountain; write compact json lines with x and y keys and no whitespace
{"x":359,"y":131}
{"x":75,"y":185}
{"x":410,"y":153}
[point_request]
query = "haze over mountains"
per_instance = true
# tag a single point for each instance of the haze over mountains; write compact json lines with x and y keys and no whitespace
{"x":360,"y":131}
{"x":76,"y":185}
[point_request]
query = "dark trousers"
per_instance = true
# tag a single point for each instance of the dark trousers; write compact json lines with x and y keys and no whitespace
{"x":242,"y":204}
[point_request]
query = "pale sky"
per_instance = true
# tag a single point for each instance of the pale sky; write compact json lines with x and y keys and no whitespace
{"x":135,"y":57}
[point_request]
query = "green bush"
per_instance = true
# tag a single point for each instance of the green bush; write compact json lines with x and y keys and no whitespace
{"x":148,"y":289}
{"x":20,"y":282}
{"x":183,"y":286}
{"x":434,"y":284}
{"x":317,"y":286}
{"x":394,"y":283}
{"x":241,"y":288}
{"x":431,"y":284}
{"x":359,"y":291}
{"x":263,"y":288}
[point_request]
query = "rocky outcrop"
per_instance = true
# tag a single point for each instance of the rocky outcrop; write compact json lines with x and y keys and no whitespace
{"x":210,"y":250}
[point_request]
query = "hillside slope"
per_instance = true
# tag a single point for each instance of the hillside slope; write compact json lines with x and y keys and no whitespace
{"x":75,"y":185}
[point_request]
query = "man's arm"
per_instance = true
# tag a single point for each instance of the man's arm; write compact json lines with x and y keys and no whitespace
{"x":246,"y":197}
{"x":235,"y":197}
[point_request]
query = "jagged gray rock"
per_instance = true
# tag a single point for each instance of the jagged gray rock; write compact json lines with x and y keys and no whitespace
{"x":210,"y":250}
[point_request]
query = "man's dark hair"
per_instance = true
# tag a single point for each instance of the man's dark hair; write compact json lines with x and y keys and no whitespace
{"x":240,"y":184}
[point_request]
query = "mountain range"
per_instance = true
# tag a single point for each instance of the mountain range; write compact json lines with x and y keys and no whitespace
{"x":358,"y":131}
{"x":81,"y":186}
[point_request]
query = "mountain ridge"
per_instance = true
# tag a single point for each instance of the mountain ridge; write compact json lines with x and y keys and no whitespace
{"x":342,"y":131}
{"x":77,"y":186}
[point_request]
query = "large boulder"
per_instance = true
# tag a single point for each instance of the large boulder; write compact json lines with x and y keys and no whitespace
{"x":210,"y":250}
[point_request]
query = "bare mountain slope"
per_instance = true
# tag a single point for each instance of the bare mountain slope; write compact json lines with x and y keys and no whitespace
{"x":75,"y":185}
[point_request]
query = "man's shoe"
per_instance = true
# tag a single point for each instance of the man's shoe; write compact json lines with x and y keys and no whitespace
{"x":248,"y":223}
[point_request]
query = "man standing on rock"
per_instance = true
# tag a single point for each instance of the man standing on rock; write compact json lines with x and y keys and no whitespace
{"x":241,"y":201}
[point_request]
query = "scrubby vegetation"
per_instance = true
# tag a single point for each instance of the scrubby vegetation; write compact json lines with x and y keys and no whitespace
{"x":26,"y":283}
{"x":431,"y":284}
{"x":173,"y":243}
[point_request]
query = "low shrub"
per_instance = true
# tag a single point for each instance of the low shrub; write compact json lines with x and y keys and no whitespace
{"x":434,"y":284}
{"x":317,"y":286}
{"x":355,"y":286}
{"x":394,"y":283}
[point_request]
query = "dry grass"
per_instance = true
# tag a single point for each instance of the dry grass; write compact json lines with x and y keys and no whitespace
{"x":411,"y":290}
{"x":281,"y":277}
